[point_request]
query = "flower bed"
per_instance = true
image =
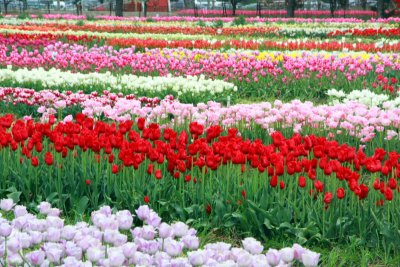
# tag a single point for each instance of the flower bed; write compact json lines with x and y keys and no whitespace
{"x":199,"y":120}
{"x":110,"y":240}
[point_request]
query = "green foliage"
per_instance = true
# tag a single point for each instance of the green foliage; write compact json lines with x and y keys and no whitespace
{"x":218,"y":24}
{"x":23,"y":16}
{"x":239,"y":21}
{"x":150,"y":20}
{"x":80,"y":23}
{"x":201,"y":23}
{"x":90,"y":18}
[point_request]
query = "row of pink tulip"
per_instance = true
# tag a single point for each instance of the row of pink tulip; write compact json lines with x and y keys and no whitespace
{"x":236,"y":66}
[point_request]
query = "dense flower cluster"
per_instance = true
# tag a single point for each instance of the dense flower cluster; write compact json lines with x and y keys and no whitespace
{"x":110,"y":240}
{"x":352,"y":113}
{"x":208,"y":149}
{"x":54,"y":78}
{"x":225,"y":19}
{"x":37,"y":39}
{"x":239,"y":66}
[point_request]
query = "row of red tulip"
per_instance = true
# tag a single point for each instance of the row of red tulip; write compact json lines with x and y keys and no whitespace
{"x":125,"y":145}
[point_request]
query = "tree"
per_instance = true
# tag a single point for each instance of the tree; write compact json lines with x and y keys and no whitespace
{"x":119,"y":8}
{"x":381,"y":8}
{"x":188,"y":3}
{"x":290,"y":8}
{"x":234,"y":6}
{"x":364,"y":4}
{"x":6,"y":3}
{"x":332,"y":4}
{"x":144,"y":7}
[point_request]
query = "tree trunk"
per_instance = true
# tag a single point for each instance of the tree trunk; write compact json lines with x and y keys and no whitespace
{"x":119,"y":8}
{"x":58,"y":4}
{"x":188,"y":3}
{"x":144,"y":9}
{"x":332,"y":4}
{"x":364,"y":4}
{"x":6,"y":6}
{"x":291,"y":7}
{"x":381,"y":9}
{"x":234,"y":3}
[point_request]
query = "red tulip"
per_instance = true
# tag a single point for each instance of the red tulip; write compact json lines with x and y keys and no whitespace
{"x":158,"y":174}
{"x":34,"y":161}
{"x":302,"y":181}
{"x":48,"y":158}
{"x":282,"y":184}
{"x":87,"y":182}
{"x":274,"y":181}
{"x":388,"y":194}
{"x":208,"y":209}
{"x":319,"y":186}
{"x":377,"y":184}
{"x":392,"y":183}
{"x":340,"y":193}
{"x":244,"y":194}
{"x":141,"y":123}
{"x":150,"y":168}
{"x":328,"y":197}
{"x":146,"y":199}
{"x":114,"y":169}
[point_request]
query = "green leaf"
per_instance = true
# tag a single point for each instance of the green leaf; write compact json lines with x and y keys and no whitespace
{"x":268,"y":224}
{"x":14,"y":196}
{"x":51,"y":197}
{"x":82,"y":205}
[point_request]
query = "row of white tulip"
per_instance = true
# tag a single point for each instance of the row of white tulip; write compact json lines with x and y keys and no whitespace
{"x":54,"y":78}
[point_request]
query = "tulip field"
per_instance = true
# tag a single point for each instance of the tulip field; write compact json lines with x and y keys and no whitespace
{"x":199,"y":141}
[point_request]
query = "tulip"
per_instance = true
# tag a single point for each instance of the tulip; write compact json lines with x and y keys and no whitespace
{"x":252,"y":245}
{"x":273,"y":257}
{"x":6,"y":204}
{"x":5,"y":229}
{"x":287,"y":254}
{"x":310,"y":259}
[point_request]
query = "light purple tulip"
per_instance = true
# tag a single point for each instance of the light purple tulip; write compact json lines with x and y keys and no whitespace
{"x":153,"y":219}
{"x":180,"y":229}
{"x":6,"y":204}
{"x":273,"y":257}
{"x":53,"y":234}
{"x":13,"y":244}
{"x":116,"y":257}
{"x":191,"y":242}
{"x":287,"y":254}
{"x":129,"y":249}
{"x":68,"y":232}
{"x":124,"y":219}
{"x":20,"y":211}
{"x":143,"y":212}
{"x":173,"y":247}
{"x":44,"y":207}
{"x":298,"y":251}
{"x":35,"y":257}
{"x":165,"y":230}
{"x":310,"y":258}
{"x":5,"y":229}
{"x":198,"y":257}
{"x":94,"y":254}
{"x":252,"y":245}
{"x":15,"y":259}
